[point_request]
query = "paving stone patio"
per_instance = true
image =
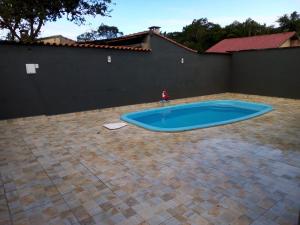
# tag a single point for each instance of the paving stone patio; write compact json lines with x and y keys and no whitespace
{"x":68,"y":169}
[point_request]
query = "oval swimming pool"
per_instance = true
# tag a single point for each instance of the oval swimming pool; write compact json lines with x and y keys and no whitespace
{"x":195,"y":115}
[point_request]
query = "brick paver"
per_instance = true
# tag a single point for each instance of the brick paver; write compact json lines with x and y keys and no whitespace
{"x":68,"y":169}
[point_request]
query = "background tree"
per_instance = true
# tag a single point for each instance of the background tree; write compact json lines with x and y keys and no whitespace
{"x":199,"y":35}
{"x":290,"y":23}
{"x":247,"y":28}
{"x":23,"y":19}
{"x":103,"y":32}
{"x":88,"y":36}
{"x":202,"y":34}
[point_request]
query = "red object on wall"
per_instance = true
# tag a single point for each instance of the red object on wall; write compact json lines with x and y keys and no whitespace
{"x":164,"y":95}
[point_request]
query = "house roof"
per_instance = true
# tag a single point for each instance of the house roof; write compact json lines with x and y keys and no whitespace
{"x":114,"y":43}
{"x":251,"y":43}
{"x":54,"y":36}
{"x":118,"y":39}
{"x":176,"y":43}
{"x":137,"y":36}
{"x":77,"y":45}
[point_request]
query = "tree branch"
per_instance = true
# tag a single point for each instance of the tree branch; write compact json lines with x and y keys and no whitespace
{"x":31,"y":21}
{"x":12,"y":30}
{"x":38,"y":28}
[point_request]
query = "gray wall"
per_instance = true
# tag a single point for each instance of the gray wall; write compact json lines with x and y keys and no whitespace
{"x":76,"y":79}
{"x":273,"y":72}
{"x":199,"y":75}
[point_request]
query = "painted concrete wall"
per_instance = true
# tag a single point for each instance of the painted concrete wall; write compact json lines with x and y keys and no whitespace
{"x":56,"y":40}
{"x":286,"y":44}
{"x":295,"y":43}
{"x":76,"y":79}
{"x":200,"y":74}
{"x":291,"y":43}
{"x":273,"y":72}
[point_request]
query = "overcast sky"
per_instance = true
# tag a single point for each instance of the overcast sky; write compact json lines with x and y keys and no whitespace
{"x":132,"y":16}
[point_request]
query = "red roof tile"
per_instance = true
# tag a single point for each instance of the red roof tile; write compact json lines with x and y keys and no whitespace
{"x":93,"y":44}
{"x":249,"y":43}
{"x":78,"y":45}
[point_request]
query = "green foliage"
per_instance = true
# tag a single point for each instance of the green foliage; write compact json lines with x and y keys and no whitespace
{"x":103,"y":32}
{"x":202,"y":34}
{"x":88,"y":36}
{"x":247,"y":28}
{"x":24,"y":18}
{"x":290,"y":23}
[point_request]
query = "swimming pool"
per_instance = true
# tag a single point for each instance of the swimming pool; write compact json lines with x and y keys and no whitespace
{"x":195,"y":115}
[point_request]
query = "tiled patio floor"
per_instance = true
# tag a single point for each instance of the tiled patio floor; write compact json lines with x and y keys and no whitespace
{"x":68,"y":169}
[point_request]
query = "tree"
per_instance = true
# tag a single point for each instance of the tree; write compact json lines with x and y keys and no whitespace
{"x":88,"y":36}
{"x":202,"y":34}
{"x":103,"y":32}
{"x":23,"y":19}
{"x":247,"y":28}
{"x":290,"y":23}
{"x":199,"y":35}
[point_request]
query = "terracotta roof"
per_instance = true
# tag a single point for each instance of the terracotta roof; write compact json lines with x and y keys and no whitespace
{"x":77,"y":45}
{"x":251,"y":43}
{"x":93,"y":44}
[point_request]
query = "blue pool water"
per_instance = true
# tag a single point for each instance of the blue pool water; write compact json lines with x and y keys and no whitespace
{"x":195,"y":115}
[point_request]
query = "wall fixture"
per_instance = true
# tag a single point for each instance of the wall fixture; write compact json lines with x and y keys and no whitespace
{"x":109,"y":59}
{"x":31,"y":68}
{"x":182,"y":60}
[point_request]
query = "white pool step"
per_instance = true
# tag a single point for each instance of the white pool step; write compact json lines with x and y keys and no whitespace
{"x":114,"y":126}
